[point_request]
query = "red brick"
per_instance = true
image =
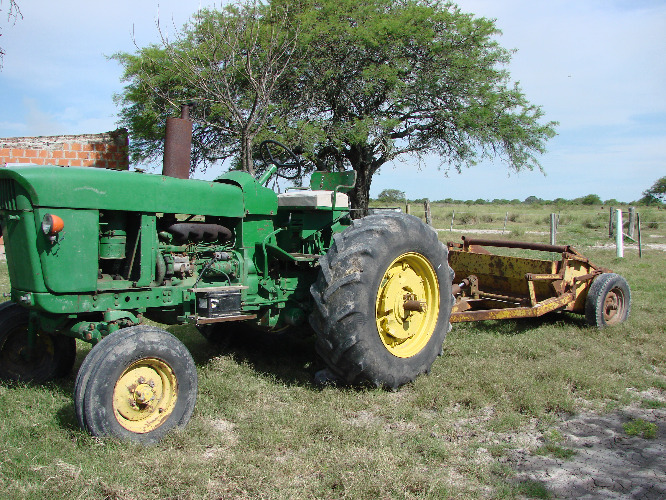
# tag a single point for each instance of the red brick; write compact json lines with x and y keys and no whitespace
{"x":43,"y":153}
{"x":65,"y":147}
{"x":70,"y":155}
{"x":58,"y":154}
{"x":88,"y":163}
{"x":30,"y":153}
{"x":5,"y":152}
{"x":75,"y":163}
{"x":17,"y":153}
{"x":87,"y":147}
{"x":75,"y":146}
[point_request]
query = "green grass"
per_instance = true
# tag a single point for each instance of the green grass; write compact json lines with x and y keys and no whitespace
{"x":579,"y":225}
{"x":262,"y":429}
{"x":639,"y":427}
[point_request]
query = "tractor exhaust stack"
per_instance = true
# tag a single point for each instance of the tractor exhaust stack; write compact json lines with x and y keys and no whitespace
{"x":178,"y":145}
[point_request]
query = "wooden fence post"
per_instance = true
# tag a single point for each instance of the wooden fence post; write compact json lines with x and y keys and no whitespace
{"x":632,"y":222}
{"x":428,"y":217}
{"x":407,"y":209}
{"x":610,"y":222}
{"x":453,"y":216}
{"x":506,"y":218}
{"x":638,"y":222}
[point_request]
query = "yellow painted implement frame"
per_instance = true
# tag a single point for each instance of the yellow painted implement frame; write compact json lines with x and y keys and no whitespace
{"x":490,"y":286}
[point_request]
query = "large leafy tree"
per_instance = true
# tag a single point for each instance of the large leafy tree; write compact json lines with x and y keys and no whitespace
{"x":356,"y":84}
{"x":386,"y":79}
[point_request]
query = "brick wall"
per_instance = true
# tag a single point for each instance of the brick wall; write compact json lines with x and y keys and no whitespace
{"x":108,"y":150}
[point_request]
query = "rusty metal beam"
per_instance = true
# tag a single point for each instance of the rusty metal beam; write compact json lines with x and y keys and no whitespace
{"x":524,"y":245}
{"x":539,"y":309}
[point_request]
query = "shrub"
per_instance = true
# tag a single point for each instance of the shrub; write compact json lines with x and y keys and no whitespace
{"x":590,"y":199}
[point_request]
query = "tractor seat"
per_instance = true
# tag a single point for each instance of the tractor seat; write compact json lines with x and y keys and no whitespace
{"x":327,"y":190}
{"x":312,"y":199}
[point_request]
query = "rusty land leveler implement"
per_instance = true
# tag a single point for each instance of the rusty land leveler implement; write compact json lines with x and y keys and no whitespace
{"x":497,"y":287}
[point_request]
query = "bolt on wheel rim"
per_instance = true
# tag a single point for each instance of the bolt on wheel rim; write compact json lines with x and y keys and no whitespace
{"x":407,"y":305}
{"x":145,"y":395}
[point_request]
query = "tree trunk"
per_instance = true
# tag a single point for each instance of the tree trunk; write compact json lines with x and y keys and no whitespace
{"x":246,"y":153}
{"x":360,"y":195}
{"x":363,"y":162}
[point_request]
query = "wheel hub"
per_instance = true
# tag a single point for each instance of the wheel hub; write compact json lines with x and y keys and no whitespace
{"x":612,"y":305}
{"x":407,"y":305}
{"x":145,"y":395}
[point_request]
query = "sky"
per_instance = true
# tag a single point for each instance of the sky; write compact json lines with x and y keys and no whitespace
{"x":595,"y":66}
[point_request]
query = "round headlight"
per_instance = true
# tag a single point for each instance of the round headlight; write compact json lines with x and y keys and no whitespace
{"x":52,"y":225}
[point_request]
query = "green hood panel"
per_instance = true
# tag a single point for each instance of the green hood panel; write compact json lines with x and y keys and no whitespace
{"x":102,"y":189}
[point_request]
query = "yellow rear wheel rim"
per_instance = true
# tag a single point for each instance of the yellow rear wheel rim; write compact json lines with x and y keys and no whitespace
{"x":407,"y":306}
{"x":145,"y":395}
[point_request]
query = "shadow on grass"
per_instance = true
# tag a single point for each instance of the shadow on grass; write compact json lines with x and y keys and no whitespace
{"x":287,"y":356}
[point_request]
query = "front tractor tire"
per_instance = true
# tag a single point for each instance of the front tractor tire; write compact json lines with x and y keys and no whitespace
{"x":51,"y":356}
{"x":137,"y":384}
{"x":382,"y":301}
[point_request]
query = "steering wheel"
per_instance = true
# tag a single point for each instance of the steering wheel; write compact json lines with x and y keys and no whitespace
{"x":274,"y":152}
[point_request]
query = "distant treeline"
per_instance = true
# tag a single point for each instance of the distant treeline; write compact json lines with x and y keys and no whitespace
{"x":396,"y":196}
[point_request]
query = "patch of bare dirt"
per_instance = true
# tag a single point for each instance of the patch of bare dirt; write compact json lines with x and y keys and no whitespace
{"x":607,"y":462}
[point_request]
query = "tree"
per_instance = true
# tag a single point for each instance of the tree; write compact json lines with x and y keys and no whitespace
{"x":356,"y":84}
{"x":392,"y":196}
{"x":590,"y":199}
{"x":532,"y":200}
{"x":227,"y":62}
{"x":385,"y":80}
{"x":657,"y":193}
{"x":13,"y":14}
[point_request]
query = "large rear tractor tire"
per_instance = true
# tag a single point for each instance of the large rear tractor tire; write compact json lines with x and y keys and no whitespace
{"x":136,"y":384}
{"x":608,"y":301}
{"x":382,"y":301}
{"x":51,"y":356}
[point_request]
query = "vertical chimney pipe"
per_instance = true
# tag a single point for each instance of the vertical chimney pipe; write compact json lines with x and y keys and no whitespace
{"x":178,"y":145}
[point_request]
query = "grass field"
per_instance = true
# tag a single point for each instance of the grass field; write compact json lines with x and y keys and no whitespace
{"x":262,"y":429}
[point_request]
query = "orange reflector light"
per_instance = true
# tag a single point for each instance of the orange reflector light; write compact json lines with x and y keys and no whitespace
{"x":52,"y":225}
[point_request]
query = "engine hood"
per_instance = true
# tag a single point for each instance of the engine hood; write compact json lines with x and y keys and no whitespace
{"x":103,"y":189}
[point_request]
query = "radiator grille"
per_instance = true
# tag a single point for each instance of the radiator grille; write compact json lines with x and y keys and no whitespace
{"x":7,"y":195}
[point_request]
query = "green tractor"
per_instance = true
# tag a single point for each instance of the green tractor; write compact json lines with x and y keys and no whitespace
{"x":92,"y":252}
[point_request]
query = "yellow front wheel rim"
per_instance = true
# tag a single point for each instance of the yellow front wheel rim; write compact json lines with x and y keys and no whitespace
{"x":145,"y":395}
{"x":407,"y":306}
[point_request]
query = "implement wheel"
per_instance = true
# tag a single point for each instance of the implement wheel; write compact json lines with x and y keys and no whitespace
{"x":136,"y":384}
{"x":52,"y":356}
{"x":608,"y":301}
{"x":383,"y":301}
